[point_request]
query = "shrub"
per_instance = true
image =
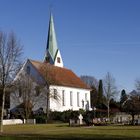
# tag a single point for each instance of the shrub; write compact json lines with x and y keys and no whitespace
{"x":74,"y":115}
{"x":64,"y":116}
{"x":55,"y":116}
{"x":88,"y":117}
{"x":40,"y":119}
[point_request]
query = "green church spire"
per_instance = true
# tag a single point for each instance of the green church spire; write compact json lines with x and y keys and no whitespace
{"x":53,"y":55}
{"x":52,"y":42}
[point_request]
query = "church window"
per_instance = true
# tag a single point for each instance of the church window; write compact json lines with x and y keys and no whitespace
{"x":20,"y":91}
{"x":47,"y":58}
{"x":58,"y":59}
{"x":78,"y":99}
{"x":85,"y":96}
{"x":55,"y":94}
{"x":87,"y":105}
{"x":71,"y":99}
{"x":37,"y":90}
{"x":28,"y":69}
{"x":63,"y":97}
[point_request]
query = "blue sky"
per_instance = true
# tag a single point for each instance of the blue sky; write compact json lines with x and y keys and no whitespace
{"x":94,"y":36}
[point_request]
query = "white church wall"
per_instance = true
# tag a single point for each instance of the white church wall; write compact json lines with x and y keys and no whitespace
{"x":33,"y":72}
{"x":39,"y":101}
{"x":14,"y":101}
{"x":84,"y":98}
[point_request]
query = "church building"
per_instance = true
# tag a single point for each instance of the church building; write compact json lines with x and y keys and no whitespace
{"x":68,"y":91}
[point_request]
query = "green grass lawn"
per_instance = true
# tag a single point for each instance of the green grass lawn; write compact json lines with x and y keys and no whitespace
{"x":64,"y":132}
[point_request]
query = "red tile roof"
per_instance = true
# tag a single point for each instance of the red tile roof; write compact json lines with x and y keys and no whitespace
{"x":58,"y":76}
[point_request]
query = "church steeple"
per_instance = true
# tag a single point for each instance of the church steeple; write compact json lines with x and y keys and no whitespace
{"x":53,"y":55}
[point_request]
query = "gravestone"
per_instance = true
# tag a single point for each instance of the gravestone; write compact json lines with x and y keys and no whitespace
{"x":77,"y":122}
{"x":80,"y":119}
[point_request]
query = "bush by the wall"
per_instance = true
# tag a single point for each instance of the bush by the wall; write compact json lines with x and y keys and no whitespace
{"x":88,"y":117}
{"x":40,"y":119}
{"x":64,"y":116}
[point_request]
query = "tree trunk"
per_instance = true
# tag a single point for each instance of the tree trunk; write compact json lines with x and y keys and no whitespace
{"x":108,"y":110}
{"x":48,"y":104}
{"x":133,"y":119}
{"x":2,"y":110}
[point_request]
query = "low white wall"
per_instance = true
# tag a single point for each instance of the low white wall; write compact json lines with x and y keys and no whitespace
{"x":12,"y":121}
{"x":30,"y":121}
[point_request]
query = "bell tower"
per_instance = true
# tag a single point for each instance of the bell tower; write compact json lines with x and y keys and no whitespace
{"x":53,"y":55}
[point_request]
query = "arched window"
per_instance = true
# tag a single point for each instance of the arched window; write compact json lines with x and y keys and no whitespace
{"x":85,"y":96}
{"x":58,"y":59}
{"x":78,"y":99}
{"x":63,"y":97}
{"x":71,"y":98}
{"x":20,"y":91}
{"x":83,"y":104}
{"x":28,"y":70}
{"x":37,"y":90}
{"x":55,"y":94}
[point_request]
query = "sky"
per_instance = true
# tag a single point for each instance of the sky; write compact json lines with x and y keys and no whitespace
{"x":94,"y":36}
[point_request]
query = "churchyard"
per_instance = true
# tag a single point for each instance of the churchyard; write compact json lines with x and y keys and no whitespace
{"x":64,"y":132}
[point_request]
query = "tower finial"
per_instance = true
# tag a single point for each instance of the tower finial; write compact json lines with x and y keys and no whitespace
{"x":50,"y":8}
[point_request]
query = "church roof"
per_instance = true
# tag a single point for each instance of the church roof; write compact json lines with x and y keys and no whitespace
{"x":58,"y":76}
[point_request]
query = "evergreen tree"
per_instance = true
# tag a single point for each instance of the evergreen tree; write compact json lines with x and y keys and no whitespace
{"x":93,"y":97}
{"x":100,"y":95}
{"x":123,"y":98}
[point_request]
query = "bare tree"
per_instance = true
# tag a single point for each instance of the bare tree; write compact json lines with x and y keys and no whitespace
{"x":110,"y":90}
{"x":132,"y":104}
{"x":137,"y":84}
{"x":93,"y":84}
{"x":50,"y":73}
{"x":27,"y":94}
{"x":90,"y":81}
{"x":10,"y":60}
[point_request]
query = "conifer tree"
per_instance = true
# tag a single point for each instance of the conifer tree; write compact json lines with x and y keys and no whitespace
{"x":123,"y":98}
{"x":100,"y":95}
